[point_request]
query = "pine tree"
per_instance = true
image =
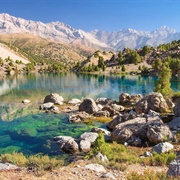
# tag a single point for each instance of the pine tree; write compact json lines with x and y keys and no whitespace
{"x":123,"y":69}
{"x":163,"y":84}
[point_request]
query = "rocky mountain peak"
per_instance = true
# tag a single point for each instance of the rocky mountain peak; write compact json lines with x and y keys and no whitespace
{"x":97,"y":39}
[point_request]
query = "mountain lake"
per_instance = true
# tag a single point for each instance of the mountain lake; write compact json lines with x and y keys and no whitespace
{"x":28,"y":130}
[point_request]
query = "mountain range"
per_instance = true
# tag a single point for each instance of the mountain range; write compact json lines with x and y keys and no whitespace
{"x":97,"y":39}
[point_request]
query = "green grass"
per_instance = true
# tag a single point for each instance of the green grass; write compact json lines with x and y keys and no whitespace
{"x":120,"y":156}
{"x":116,"y":153}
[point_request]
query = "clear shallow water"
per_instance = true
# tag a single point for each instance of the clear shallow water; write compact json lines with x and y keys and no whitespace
{"x":34,"y":133}
{"x":25,"y":129}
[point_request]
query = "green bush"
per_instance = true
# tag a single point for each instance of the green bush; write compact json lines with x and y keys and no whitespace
{"x":101,"y":146}
{"x":116,"y":153}
{"x":162,"y":159}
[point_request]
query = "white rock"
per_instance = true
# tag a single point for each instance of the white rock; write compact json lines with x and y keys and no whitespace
{"x":95,"y":167}
{"x":162,"y":147}
{"x":26,"y":101}
{"x":108,"y":175}
{"x":84,"y":146}
{"x":89,"y":136}
{"x":74,"y":101}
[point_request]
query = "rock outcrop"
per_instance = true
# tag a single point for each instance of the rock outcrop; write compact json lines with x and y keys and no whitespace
{"x":66,"y":144}
{"x":121,"y":118}
{"x":175,"y":124}
{"x":174,"y":168}
{"x":127,"y":99}
{"x":134,"y":131}
{"x":162,"y":147}
{"x":153,"y":101}
{"x":158,"y":132}
{"x":89,"y":136}
{"x":176,"y":108}
{"x":89,"y":106}
{"x":84,"y":146}
{"x":54,"y":98}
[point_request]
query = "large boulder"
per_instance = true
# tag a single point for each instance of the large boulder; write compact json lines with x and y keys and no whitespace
{"x":133,"y":130}
{"x":89,"y":106}
{"x":176,"y":108}
{"x":175,"y":124}
{"x":174,"y":168}
{"x":153,"y":101}
{"x":66,"y":144}
{"x":162,"y":147}
{"x":121,"y":118}
{"x":124,"y":98}
{"x":54,"y":98}
{"x":127,"y":99}
{"x":84,"y":146}
{"x":158,"y":132}
{"x":89,"y":136}
{"x":117,"y":120}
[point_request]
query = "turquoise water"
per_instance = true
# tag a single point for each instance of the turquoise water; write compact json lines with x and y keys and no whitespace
{"x":34,"y":133}
{"x":26,"y":129}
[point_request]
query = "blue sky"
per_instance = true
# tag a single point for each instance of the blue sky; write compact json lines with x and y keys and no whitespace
{"x":108,"y":15}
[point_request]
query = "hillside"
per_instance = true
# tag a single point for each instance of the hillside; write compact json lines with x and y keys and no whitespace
{"x":41,"y":50}
{"x":144,"y":60}
{"x":42,"y":55}
{"x":6,"y":52}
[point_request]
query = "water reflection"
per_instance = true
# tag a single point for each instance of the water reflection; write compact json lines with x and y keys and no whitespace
{"x":72,"y":85}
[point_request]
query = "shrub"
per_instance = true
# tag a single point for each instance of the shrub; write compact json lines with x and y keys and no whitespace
{"x":101,"y":146}
{"x":116,"y":153}
{"x":40,"y":163}
{"x":162,"y":159}
{"x":147,"y":175}
{"x":123,"y":69}
{"x":15,"y":158}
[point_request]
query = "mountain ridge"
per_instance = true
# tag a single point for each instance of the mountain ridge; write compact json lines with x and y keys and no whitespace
{"x":97,"y":39}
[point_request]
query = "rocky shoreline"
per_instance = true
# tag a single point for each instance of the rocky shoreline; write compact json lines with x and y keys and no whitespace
{"x":135,"y":121}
